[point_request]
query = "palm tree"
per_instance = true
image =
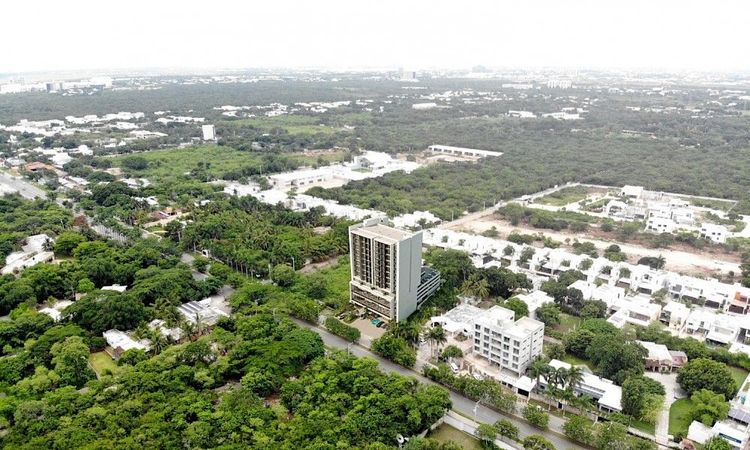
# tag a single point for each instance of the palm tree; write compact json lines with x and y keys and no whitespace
{"x":538,"y":369}
{"x":476,"y":286}
{"x":573,"y":377}
{"x":158,"y":341}
{"x":436,"y":335}
{"x":409,"y":331}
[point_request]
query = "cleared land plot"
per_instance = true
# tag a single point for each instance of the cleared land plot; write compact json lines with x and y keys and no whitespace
{"x":565,"y":196}
{"x":291,"y":123}
{"x":213,"y":160}
{"x":446,"y":433}
{"x":100,"y":361}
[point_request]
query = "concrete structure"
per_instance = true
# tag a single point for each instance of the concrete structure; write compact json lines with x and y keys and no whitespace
{"x":386,"y":268}
{"x":661,"y":359}
{"x":636,"y":310}
{"x":208,"y":133}
{"x":55,"y":311}
{"x":714,"y":233}
{"x":735,"y":434}
{"x":508,"y":344}
{"x":32,"y":253}
{"x":459,"y":320}
{"x":202,"y":311}
{"x":119,"y":342}
{"x":534,"y":300}
{"x":604,"y":392}
{"x":633,"y":192}
{"x":461,"y":151}
{"x":674,"y":314}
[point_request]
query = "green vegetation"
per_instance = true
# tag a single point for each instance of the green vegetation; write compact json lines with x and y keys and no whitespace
{"x":680,"y":416}
{"x":446,"y":433}
{"x":565,"y":196}
{"x":339,"y":328}
{"x":102,"y":363}
{"x":292,"y":124}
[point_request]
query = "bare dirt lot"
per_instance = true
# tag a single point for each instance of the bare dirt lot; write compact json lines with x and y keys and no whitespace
{"x":692,"y":262}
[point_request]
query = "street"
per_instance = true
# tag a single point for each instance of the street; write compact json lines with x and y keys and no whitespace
{"x":461,"y":404}
{"x":17,"y":184}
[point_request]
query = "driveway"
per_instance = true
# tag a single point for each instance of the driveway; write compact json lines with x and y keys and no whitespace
{"x":673,"y":391}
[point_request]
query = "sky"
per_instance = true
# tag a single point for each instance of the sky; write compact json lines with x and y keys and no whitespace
{"x":709,"y":35}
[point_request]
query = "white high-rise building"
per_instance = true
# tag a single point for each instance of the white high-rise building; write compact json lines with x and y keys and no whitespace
{"x":386,"y":266}
{"x":507,"y":343}
{"x":208,"y":133}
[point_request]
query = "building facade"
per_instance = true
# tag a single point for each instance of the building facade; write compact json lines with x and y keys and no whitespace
{"x":507,"y":343}
{"x":386,"y":268}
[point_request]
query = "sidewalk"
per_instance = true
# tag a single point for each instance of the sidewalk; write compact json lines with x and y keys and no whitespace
{"x":467,"y":425}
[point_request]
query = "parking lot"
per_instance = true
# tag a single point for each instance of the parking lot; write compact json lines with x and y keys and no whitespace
{"x":368,"y":330}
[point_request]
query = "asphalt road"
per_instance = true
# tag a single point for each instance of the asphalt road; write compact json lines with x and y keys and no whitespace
{"x":461,"y":404}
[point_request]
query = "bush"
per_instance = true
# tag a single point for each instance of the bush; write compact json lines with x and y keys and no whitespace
{"x":395,"y":349}
{"x":536,"y":416}
{"x":339,"y":328}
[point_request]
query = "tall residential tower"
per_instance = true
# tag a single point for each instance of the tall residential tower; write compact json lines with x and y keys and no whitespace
{"x":387,"y":274}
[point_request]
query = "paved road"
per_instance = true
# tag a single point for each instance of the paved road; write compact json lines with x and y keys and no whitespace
{"x":17,"y":184}
{"x":461,"y":404}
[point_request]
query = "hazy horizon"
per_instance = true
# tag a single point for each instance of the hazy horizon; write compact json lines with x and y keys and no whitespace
{"x":338,"y":35}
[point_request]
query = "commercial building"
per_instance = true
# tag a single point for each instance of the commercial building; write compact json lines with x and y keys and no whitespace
{"x":507,"y":343}
{"x":461,"y":151}
{"x":386,"y":267}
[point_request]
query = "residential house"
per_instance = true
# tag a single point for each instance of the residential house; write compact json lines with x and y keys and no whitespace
{"x":605,"y":393}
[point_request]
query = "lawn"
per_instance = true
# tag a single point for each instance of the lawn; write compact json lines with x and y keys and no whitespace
{"x":565,"y":196}
{"x":568,"y":323}
{"x":446,"y":433}
{"x":337,"y":283}
{"x":649,"y":428}
{"x":739,"y":375}
{"x":576,"y":361}
{"x":679,"y":415}
{"x":100,"y":361}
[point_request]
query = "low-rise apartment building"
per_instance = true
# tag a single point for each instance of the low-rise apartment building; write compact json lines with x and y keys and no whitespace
{"x":507,"y":343}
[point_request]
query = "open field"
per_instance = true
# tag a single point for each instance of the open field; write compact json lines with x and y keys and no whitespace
{"x":213,"y":160}
{"x":565,"y":196}
{"x":445,"y":433}
{"x":100,"y":361}
{"x":293,"y":124}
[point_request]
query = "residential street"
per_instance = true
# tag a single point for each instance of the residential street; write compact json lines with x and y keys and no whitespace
{"x":461,"y":404}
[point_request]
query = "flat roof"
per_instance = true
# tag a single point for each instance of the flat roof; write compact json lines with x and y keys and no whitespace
{"x":382,"y":231}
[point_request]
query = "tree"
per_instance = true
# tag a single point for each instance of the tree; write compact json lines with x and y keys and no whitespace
{"x":717,"y":443}
{"x":709,"y":407}
{"x":573,"y":378}
{"x":476,"y":286}
{"x":85,"y":286}
{"x":536,"y":416}
{"x":555,"y":351}
{"x":611,"y":435}
{"x":633,"y":397}
{"x":579,"y":429}
{"x":549,"y":314}
{"x":618,"y":359}
{"x":283,"y":275}
{"x":454,"y":266}
{"x":577,"y":342}
{"x":536,"y":442}
{"x":70,"y":359}
{"x":67,"y":242}
{"x":396,"y":349}
{"x":507,"y":429}
{"x":436,"y":336}
{"x":451,"y":351}
{"x":538,"y":369}
{"x":518,"y":306}
{"x":708,"y":374}
{"x":593,"y":309}
{"x":486,"y":434}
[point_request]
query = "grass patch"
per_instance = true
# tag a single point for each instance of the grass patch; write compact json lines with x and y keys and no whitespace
{"x":337,"y":283}
{"x":565,"y":196}
{"x":100,"y":361}
{"x":568,"y":323}
{"x":446,"y":433}
{"x":576,"y":361}
{"x":293,"y":124}
{"x":214,"y":160}
{"x":739,"y":375}
{"x":646,"y":427}
{"x":679,"y":415}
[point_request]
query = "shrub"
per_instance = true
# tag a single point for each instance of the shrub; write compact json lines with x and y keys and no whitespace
{"x":339,"y":328}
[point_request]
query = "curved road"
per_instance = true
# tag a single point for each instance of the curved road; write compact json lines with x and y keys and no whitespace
{"x":461,"y":404}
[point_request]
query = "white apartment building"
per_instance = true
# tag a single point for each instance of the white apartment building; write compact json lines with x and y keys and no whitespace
{"x":386,"y":268}
{"x":507,"y":343}
{"x":461,"y":151}
{"x":208,"y":132}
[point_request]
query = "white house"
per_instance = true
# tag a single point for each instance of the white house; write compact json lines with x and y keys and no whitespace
{"x":534,"y":300}
{"x":714,"y":233}
{"x":605,"y":393}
